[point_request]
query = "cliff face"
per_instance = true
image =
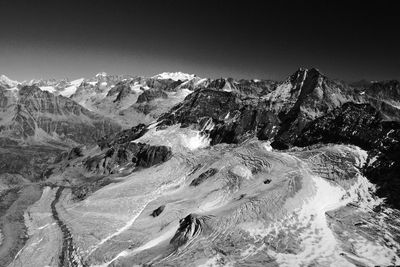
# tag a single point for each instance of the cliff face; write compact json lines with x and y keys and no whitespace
{"x":306,"y":95}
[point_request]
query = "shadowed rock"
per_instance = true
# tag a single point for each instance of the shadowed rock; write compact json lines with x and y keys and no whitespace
{"x":123,"y":136}
{"x":204,"y":176}
{"x":158,"y":211}
{"x":190,"y":227}
{"x":135,"y":154}
{"x":151,"y":94}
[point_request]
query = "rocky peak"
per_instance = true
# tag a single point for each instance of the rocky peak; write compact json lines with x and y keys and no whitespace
{"x":225,"y":84}
{"x":101,"y":74}
{"x":305,"y":77}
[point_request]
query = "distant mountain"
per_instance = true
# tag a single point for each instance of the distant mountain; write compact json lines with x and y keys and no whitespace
{"x":7,"y":82}
{"x":176,"y":76}
{"x":37,"y":115}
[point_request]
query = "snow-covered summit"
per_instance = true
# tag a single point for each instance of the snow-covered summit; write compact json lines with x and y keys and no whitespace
{"x":174,"y":76}
{"x":101,"y":74}
{"x":71,"y":89}
{"x":4,"y":80}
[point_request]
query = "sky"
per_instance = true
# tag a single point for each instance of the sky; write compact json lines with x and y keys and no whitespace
{"x":348,"y":40}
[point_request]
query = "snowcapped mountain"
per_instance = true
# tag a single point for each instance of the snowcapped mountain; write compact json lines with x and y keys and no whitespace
{"x":174,"y":76}
{"x":71,"y":89}
{"x":101,"y":74}
{"x":7,"y":82}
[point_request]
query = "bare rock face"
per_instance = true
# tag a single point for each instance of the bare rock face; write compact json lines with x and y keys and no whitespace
{"x":389,"y":90}
{"x":234,"y":118}
{"x":29,"y":162}
{"x":164,"y":84}
{"x":37,"y":113}
{"x":151,"y":94}
{"x":122,"y":137}
{"x":158,"y":211}
{"x":190,"y":228}
{"x":385,"y":97}
{"x":247,"y":87}
{"x":128,"y":154}
{"x":124,"y":91}
{"x":307,"y":95}
{"x":204,"y":176}
{"x":72,"y":154}
{"x":347,"y":124}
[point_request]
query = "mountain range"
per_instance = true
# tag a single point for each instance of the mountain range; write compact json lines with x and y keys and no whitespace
{"x":179,"y":170}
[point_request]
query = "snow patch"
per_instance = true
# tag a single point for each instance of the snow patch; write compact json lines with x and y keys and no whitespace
{"x":77,"y":82}
{"x":70,"y":90}
{"x":136,"y":88}
{"x":267,"y":146}
{"x":194,"y":141}
{"x":50,"y":89}
{"x":175,"y":137}
{"x":242,"y":171}
{"x":200,"y":81}
{"x":101,"y":74}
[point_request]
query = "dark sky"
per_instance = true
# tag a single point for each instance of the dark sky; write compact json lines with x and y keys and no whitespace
{"x":247,"y":39}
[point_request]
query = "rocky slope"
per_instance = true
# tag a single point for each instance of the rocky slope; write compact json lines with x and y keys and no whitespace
{"x":40,"y":115}
{"x":363,"y":126}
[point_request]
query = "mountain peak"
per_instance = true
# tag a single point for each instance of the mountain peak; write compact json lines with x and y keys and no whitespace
{"x":4,"y":80}
{"x":101,"y":74}
{"x":302,"y":70}
{"x":174,"y":76}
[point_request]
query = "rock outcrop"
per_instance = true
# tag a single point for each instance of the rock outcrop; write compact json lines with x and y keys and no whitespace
{"x":151,"y":94}
{"x":190,"y":228}
{"x":204,"y":176}
{"x":128,"y":155}
{"x":158,"y":211}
